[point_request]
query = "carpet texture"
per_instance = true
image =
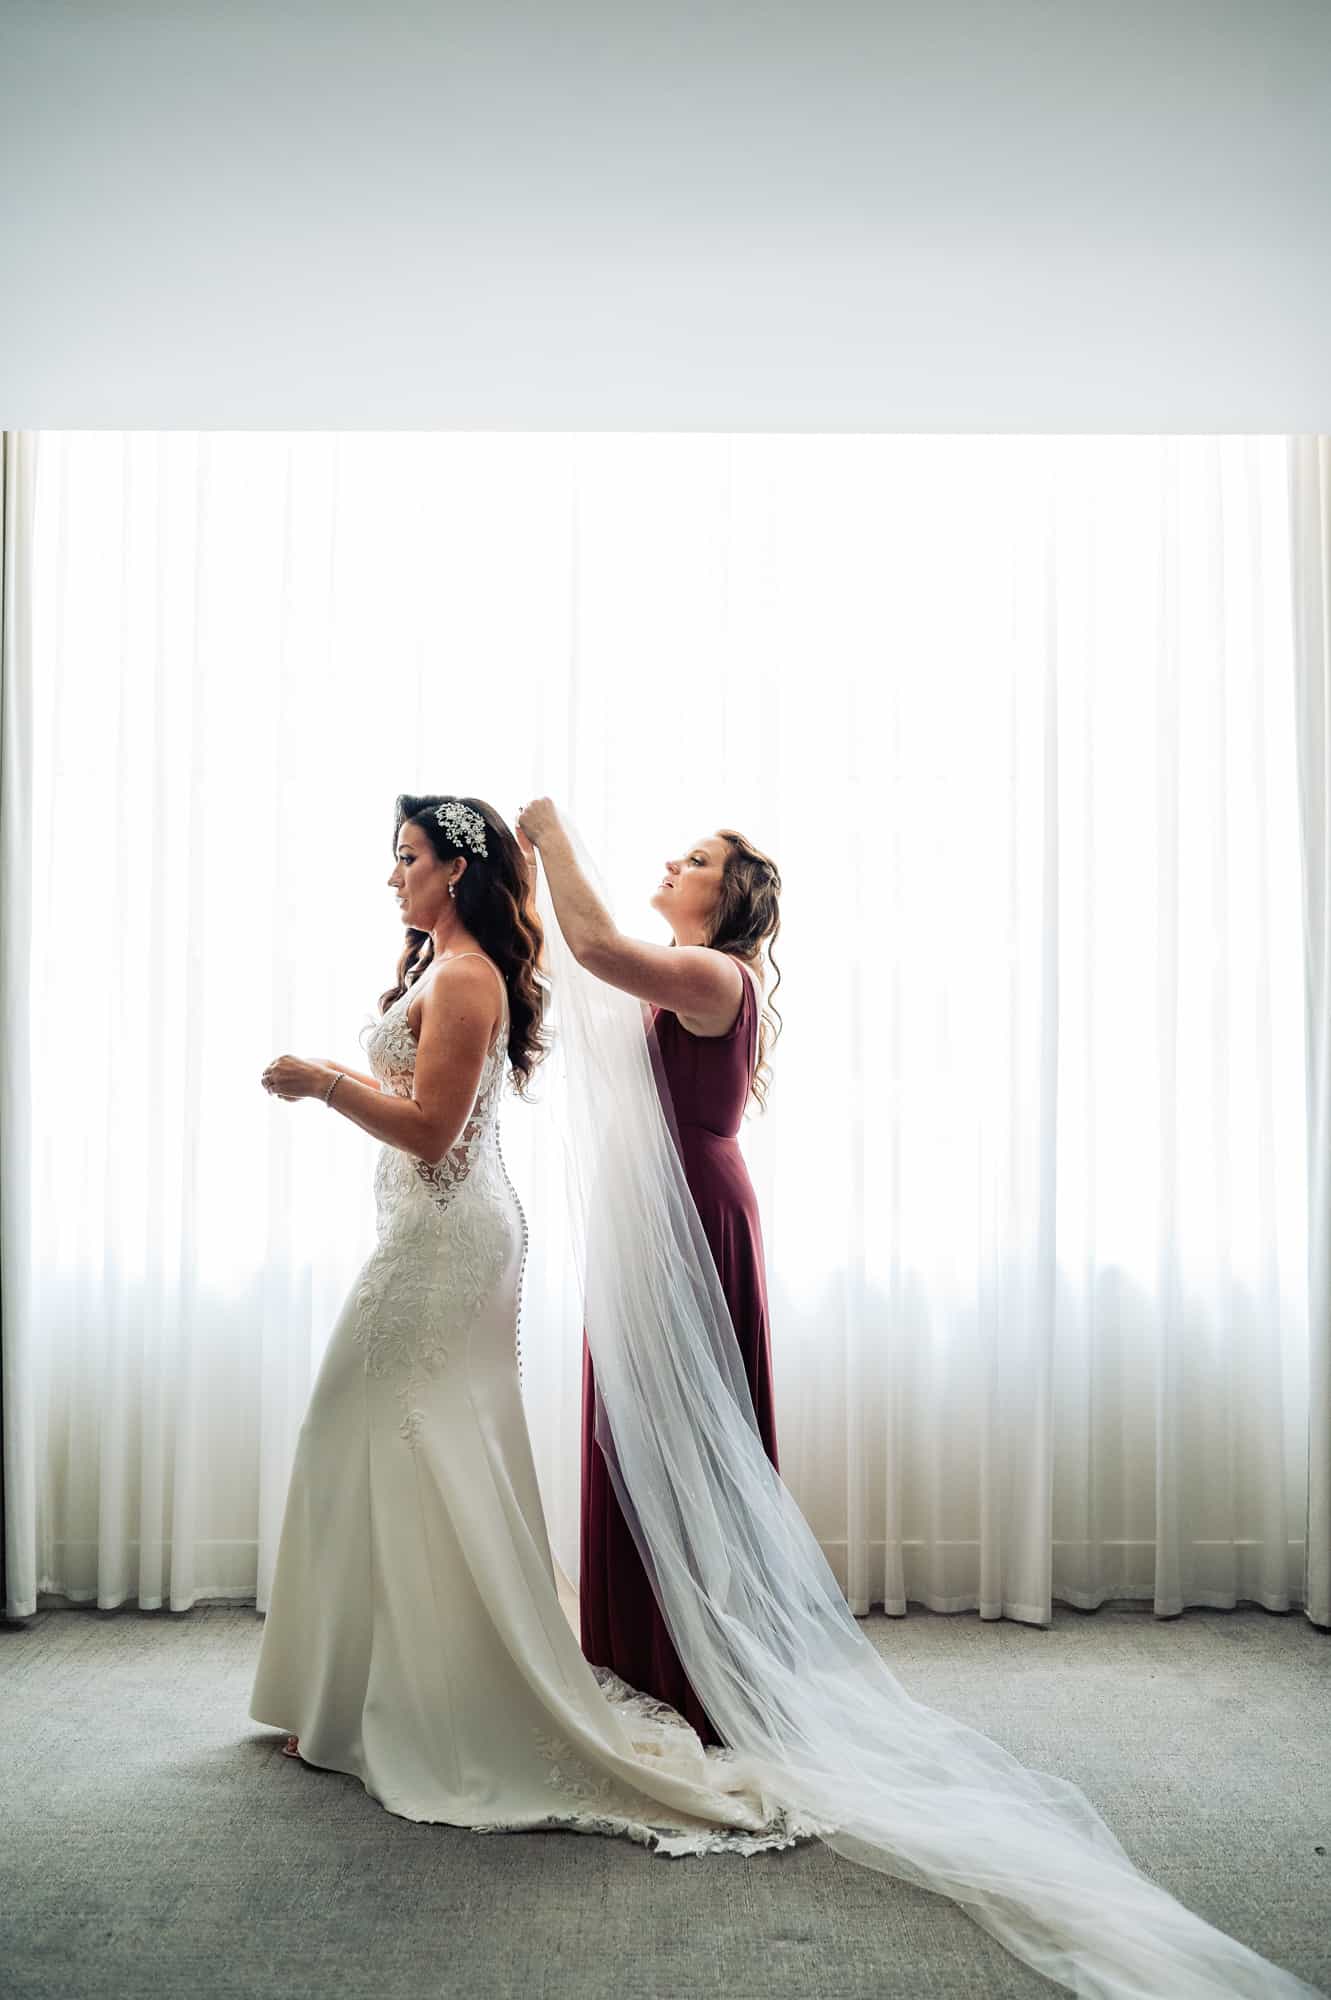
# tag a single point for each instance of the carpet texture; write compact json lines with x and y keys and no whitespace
{"x":154,"y":1842}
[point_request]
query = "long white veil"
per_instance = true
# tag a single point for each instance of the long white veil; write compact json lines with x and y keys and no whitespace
{"x":756,"y":1615}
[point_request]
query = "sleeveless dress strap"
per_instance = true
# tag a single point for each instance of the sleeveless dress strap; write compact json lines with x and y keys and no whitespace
{"x":750,"y":979}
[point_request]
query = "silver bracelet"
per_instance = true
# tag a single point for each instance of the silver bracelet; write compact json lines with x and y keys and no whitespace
{"x":333,"y":1085}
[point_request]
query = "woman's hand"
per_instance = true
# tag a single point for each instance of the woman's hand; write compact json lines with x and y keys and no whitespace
{"x":537,"y":820}
{"x":290,"y":1077}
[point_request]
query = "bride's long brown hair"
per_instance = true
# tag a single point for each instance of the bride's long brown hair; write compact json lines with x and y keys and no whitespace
{"x":747,"y":916}
{"x":496,"y":903}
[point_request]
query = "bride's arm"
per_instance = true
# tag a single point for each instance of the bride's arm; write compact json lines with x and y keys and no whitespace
{"x":688,"y":979}
{"x":459,"y":1016}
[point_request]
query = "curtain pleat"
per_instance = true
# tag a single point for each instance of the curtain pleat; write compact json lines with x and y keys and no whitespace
{"x":21,"y":1445}
{"x":1311,"y":549}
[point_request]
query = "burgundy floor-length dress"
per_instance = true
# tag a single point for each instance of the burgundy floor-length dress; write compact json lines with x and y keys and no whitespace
{"x":708,"y":1077}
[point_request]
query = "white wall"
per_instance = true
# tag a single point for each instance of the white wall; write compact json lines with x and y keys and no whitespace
{"x":1007,"y":214}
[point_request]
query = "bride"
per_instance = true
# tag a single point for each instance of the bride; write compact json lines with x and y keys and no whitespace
{"x":415,"y":1637}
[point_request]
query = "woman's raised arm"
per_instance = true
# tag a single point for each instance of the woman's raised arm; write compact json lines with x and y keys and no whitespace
{"x":692,"y":980}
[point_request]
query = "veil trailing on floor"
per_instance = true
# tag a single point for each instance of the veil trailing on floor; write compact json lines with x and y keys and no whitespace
{"x":757,"y":1617}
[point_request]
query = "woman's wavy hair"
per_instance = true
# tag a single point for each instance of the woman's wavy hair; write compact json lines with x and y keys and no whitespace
{"x":496,"y":901}
{"x":747,"y":917}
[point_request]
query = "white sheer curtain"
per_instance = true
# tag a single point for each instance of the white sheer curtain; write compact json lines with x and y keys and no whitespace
{"x":1311,"y":492}
{"x":1016,"y":718}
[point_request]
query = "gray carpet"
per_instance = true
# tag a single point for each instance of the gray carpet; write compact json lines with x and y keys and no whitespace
{"x":154,"y":1842}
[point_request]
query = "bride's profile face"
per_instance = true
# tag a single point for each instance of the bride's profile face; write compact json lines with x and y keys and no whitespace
{"x":686,"y":894}
{"x":419,"y":879}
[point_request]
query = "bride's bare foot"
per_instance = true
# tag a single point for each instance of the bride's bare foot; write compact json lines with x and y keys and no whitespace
{"x":291,"y":1748}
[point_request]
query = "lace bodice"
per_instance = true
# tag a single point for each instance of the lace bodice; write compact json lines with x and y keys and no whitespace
{"x":390,"y":1048}
{"x":445,"y":1231}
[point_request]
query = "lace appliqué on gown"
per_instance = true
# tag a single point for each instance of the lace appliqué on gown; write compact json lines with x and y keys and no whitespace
{"x":600,"y":1805}
{"x":445,"y":1231}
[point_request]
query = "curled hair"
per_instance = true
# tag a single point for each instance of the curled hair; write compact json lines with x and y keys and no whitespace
{"x":747,"y":916}
{"x":495,"y":901}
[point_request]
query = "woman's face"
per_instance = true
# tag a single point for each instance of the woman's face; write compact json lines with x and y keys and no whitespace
{"x":688,"y":891}
{"x":420,"y":879}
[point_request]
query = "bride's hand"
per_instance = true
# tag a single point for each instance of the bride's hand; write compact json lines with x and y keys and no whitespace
{"x":537,"y":819}
{"x":289,"y":1077}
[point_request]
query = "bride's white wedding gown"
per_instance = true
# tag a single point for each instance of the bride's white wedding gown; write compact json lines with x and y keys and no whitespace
{"x":415,"y":1637}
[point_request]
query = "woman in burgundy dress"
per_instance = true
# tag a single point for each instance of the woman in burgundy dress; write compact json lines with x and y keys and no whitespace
{"x":720,"y":901}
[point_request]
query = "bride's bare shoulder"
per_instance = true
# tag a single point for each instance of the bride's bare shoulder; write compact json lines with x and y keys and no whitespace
{"x":472,"y":973}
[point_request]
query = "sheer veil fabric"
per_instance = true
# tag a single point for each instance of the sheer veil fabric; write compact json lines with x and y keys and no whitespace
{"x":763,"y":1630}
